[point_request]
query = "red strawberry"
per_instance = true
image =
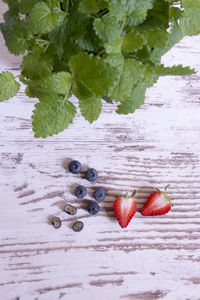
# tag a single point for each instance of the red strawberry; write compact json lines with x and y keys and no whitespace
{"x":125,"y":207}
{"x":158,"y":203}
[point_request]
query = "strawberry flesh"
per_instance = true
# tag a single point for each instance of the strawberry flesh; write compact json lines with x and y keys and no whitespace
{"x":124,"y":208}
{"x":158,"y":203}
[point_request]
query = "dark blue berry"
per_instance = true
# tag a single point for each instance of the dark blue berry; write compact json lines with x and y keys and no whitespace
{"x":91,"y":175}
{"x":80,"y":191}
{"x":75,"y":167}
{"x":93,"y":207}
{"x":99,"y":194}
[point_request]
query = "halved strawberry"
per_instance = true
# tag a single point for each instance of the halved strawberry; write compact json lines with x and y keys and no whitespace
{"x":125,"y":207}
{"x":158,"y":203}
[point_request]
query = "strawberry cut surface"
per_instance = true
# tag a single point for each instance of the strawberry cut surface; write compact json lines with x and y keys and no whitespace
{"x":124,"y":208}
{"x":158,"y":203}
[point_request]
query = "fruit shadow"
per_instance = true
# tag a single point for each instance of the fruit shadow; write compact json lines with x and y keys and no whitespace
{"x":142,"y":194}
{"x":49,"y":219}
{"x":61,"y":204}
{"x":84,"y":204}
{"x":107,"y":205}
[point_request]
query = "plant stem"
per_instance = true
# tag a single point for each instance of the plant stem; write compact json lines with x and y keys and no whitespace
{"x":59,"y":8}
{"x":66,"y":96}
{"x":66,"y":5}
{"x":122,"y":27}
{"x":101,"y":52}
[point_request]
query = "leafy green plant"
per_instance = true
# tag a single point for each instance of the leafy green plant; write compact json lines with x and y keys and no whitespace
{"x":98,"y":50}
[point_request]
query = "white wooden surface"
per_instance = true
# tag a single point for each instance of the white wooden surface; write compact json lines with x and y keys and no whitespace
{"x":154,"y":258}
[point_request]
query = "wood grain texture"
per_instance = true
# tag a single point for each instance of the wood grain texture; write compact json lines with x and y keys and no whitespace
{"x":154,"y":258}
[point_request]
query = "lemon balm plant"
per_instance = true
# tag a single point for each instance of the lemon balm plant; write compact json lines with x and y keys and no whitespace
{"x":98,"y":50}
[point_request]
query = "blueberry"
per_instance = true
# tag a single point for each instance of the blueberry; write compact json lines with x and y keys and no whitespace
{"x":91,"y":175}
{"x":75,"y":167}
{"x":77,"y":226}
{"x":99,"y":194}
{"x":56,"y":222}
{"x":80,"y":191}
{"x":93,"y":208}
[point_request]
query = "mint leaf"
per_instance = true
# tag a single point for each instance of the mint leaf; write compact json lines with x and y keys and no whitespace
{"x":158,"y":38}
{"x":51,"y":116}
{"x":15,"y":34}
{"x":113,"y":46}
{"x":36,"y":66}
{"x":137,"y":95}
{"x":88,"y":6}
{"x":190,"y":20}
{"x":57,"y":84}
{"x":174,"y":70}
{"x":150,"y":75}
{"x":89,"y":40}
{"x":80,"y":90}
{"x":190,"y":4}
{"x":134,"y":101}
{"x":159,"y":13}
{"x":116,"y":60}
{"x":132,"y":72}
{"x":8,"y":86}
{"x":42,"y":19}
{"x":107,"y":28}
{"x":120,"y":9}
{"x":175,"y":35}
{"x":139,"y":14}
{"x":26,"y":5}
{"x":90,"y":108}
{"x":98,"y":50}
{"x":133,"y":41}
{"x":93,"y":72}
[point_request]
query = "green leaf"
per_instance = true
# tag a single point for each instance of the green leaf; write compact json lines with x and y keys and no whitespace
{"x":51,"y":116}
{"x":174,"y":70}
{"x":36,"y":66}
{"x":150,"y":76}
{"x":42,"y":19}
{"x":88,"y":6}
{"x":89,"y":40}
{"x":57,"y":84}
{"x":190,"y":21}
{"x":133,"y":41}
{"x":90,"y":108}
{"x":113,"y":46}
{"x":120,"y":9}
{"x":190,"y":4}
{"x":15,"y":34}
{"x":175,"y":35}
{"x":139,"y":14}
{"x":134,"y":101}
{"x":132,"y":72}
{"x":159,"y":13}
{"x":107,"y":28}
{"x":158,"y":38}
{"x":29,"y":93}
{"x":116,"y":60}
{"x":58,"y":37}
{"x":26,"y":5}
{"x":12,"y":4}
{"x":93,"y":72}
{"x":80,"y":90}
{"x":8,"y":86}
